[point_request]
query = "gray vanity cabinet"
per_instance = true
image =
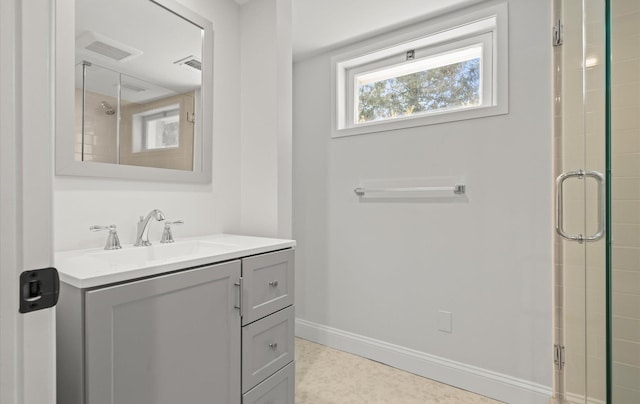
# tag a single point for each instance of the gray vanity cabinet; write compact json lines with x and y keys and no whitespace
{"x":168,"y":339}
{"x":215,"y":334}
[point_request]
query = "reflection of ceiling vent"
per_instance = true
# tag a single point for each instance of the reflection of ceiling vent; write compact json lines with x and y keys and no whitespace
{"x":105,"y":47}
{"x":131,"y":87}
{"x":107,"y":50}
{"x":190,"y":61}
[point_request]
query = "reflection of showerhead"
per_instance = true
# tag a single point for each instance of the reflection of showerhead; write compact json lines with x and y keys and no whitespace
{"x":107,"y":108}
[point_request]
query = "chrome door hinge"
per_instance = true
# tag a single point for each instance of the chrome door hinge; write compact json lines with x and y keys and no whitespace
{"x":558,"y":33}
{"x":558,"y":356}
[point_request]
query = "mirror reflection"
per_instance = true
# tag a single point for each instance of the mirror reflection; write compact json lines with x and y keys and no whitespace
{"x":138,"y":81}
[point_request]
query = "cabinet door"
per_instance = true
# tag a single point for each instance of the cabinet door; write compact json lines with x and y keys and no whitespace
{"x":165,"y":340}
{"x":268,"y":284}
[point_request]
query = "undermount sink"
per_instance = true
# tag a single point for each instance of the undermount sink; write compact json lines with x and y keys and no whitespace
{"x":160,"y":252}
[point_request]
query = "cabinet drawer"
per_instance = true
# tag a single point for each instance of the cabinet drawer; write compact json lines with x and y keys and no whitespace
{"x":277,"y":389}
{"x":268,"y":284}
{"x":267,"y":345}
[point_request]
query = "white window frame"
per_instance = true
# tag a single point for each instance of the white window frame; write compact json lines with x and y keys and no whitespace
{"x":487,"y":26}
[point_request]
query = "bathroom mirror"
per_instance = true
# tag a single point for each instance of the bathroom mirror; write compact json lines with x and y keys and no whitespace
{"x":136,"y":76}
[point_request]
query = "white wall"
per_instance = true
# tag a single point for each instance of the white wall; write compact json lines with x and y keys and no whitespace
{"x":383,"y":270}
{"x":266,"y":124}
{"x":212,"y":208}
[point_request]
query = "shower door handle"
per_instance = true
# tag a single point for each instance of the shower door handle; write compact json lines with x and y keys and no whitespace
{"x":580,"y":174}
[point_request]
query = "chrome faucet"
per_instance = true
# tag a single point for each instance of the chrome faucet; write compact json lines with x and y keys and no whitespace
{"x":143,"y":225}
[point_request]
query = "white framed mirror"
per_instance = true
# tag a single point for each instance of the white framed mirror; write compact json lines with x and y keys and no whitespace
{"x":134,"y":90}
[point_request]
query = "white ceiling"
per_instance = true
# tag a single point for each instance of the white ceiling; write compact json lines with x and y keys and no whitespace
{"x":320,"y":25}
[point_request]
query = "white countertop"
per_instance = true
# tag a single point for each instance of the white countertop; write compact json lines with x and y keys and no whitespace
{"x":96,"y":267}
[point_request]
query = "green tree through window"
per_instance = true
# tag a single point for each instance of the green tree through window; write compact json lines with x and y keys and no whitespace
{"x":451,"y":86}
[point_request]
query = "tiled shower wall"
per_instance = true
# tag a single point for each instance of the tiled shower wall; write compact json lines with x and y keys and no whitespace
{"x":625,"y":142}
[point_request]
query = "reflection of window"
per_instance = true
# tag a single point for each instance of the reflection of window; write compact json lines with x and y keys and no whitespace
{"x":161,"y":130}
{"x":157,"y":129}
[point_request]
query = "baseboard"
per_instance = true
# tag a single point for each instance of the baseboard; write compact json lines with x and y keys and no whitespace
{"x":481,"y":381}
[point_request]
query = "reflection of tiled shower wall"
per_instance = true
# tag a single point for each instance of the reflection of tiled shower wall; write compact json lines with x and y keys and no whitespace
{"x":100,"y":128}
{"x":625,"y":93}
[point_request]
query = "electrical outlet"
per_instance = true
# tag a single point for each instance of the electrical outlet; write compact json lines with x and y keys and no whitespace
{"x":445,"y":321}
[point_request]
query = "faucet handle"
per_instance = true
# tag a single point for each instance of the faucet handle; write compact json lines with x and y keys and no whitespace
{"x":113,"y":241}
{"x":167,"y":235}
{"x":96,"y":227}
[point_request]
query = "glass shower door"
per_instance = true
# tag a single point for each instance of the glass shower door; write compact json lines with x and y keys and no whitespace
{"x":581,"y":167}
{"x":597,"y":88}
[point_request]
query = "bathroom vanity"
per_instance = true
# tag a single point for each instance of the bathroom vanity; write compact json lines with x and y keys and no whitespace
{"x":206,"y":320}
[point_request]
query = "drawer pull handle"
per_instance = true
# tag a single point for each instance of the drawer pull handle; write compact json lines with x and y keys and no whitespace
{"x":239,"y":306}
{"x":273,"y":346}
{"x":274,"y":284}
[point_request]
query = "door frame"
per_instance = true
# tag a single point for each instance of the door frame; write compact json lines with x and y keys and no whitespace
{"x":27,"y":341}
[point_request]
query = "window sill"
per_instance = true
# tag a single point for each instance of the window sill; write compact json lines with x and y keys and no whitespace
{"x":430,"y":119}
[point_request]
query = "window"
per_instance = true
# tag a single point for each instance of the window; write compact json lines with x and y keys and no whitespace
{"x":434,"y":83}
{"x":440,"y":73}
